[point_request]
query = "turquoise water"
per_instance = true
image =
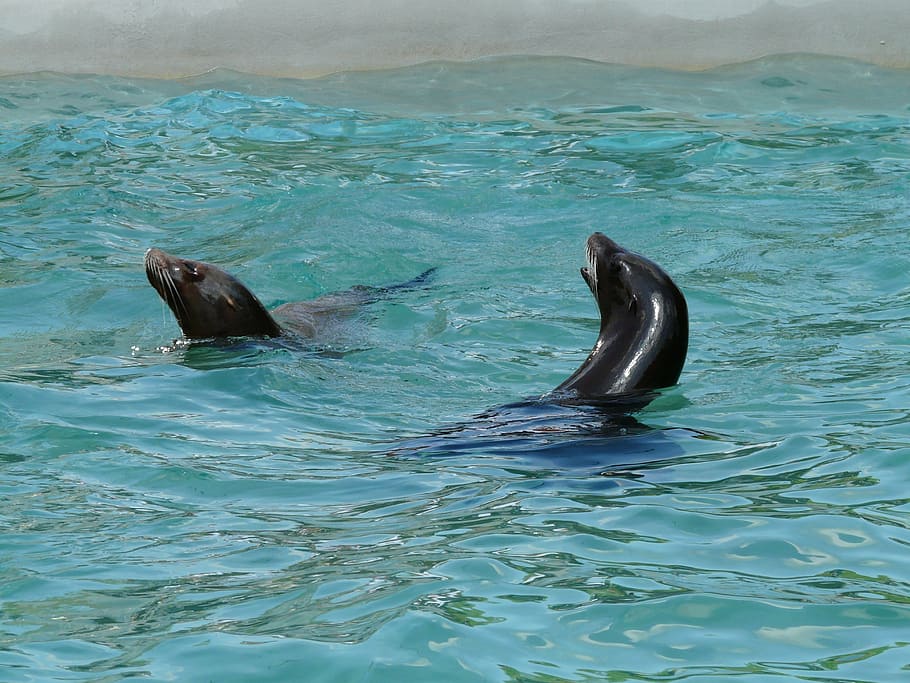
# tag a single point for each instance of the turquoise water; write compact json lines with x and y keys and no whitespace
{"x":196,"y":514}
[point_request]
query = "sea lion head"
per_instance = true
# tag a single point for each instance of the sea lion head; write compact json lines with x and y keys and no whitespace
{"x":207,"y":301}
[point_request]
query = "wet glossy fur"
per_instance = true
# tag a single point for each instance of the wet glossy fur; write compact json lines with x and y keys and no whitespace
{"x":644,"y":325}
{"x":210,"y":303}
{"x":644,"y":328}
{"x":207,"y":301}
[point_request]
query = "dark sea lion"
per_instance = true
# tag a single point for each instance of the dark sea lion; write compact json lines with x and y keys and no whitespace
{"x":644,"y":326}
{"x":641,"y":348}
{"x":210,"y":303}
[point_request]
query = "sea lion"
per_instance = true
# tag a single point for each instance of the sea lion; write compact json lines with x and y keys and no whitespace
{"x":210,"y":303}
{"x":644,"y":326}
{"x":641,"y":347}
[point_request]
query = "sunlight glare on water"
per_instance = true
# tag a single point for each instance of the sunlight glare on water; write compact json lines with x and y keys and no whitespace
{"x":249,"y":513}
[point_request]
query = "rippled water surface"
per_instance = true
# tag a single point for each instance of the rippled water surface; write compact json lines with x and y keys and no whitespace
{"x":254,"y":512}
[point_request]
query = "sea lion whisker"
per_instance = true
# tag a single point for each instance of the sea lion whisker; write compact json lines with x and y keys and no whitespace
{"x":178,"y":298}
{"x":164,"y":286}
{"x":592,"y":272}
{"x":172,"y":294}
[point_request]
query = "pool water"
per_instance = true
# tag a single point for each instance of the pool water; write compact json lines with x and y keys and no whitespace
{"x":198,"y":513}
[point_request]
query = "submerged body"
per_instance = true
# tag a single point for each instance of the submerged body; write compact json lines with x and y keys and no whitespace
{"x":210,"y":303}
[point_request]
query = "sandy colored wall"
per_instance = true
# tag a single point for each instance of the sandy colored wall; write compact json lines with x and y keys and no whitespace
{"x":311,"y":37}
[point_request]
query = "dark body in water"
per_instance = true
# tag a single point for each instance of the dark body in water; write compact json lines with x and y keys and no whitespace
{"x":641,"y":348}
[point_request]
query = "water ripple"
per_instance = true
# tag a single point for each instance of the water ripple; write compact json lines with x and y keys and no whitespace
{"x":238,"y":514}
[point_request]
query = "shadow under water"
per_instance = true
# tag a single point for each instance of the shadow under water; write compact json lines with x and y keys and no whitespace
{"x":603,"y":437}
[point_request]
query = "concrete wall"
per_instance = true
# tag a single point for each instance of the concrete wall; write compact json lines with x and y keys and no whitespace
{"x":312,"y":37}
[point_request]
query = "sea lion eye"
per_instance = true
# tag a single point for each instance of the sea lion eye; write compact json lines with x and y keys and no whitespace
{"x":192,"y":270}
